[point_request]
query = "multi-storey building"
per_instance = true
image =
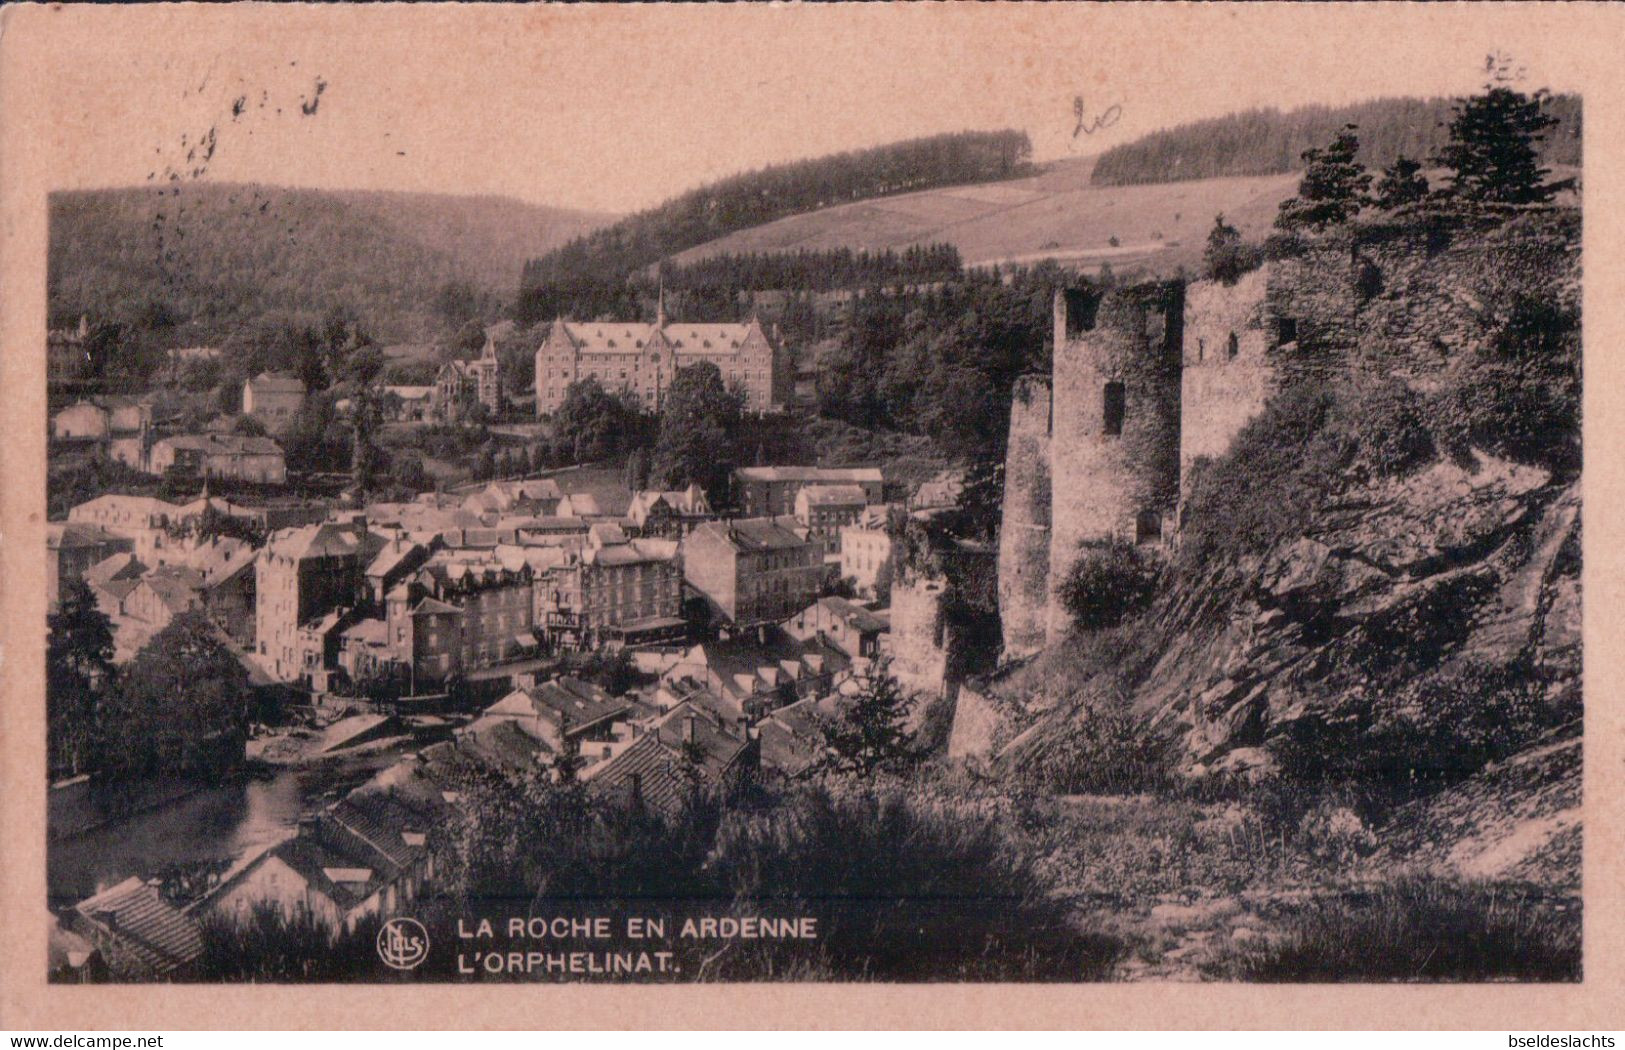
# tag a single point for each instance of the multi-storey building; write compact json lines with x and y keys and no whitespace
{"x":615,"y":590}
{"x":71,"y":548}
{"x":672,"y":514}
{"x":866,"y":550}
{"x":303,"y":575}
{"x":65,"y":356}
{"x":753,"y":571}
{"x":463,"y":610}
{"x":460,"y":385}
{"x":767,"y":492}
{"x":824,"y":510}
{"x":643,"y":358}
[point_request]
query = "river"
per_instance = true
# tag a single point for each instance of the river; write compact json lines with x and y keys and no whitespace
{"x":218,"y":822}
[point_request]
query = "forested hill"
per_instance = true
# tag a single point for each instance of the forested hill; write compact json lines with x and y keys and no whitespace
{"x":588,"y":275}
{"x":1268,"y":141}
{"x":216,"y":256}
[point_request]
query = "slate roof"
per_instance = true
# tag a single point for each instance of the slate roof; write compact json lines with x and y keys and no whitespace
{"x":832,"y":475}
{"x":854,"y":615}
{"x":121,"y":566}
{"x":158,"y":937}
{"x":654,"y":769}
{"x":64,"y":535}
{"x":596,"y":337}
{"x":752,"y":534}
{"x":791,"y":738}
{"x":573,"y":705}
{"x":834,"y":495}
{"x":277,"y":382}
{"x":176,"y":586}
{"x":325,"y":540}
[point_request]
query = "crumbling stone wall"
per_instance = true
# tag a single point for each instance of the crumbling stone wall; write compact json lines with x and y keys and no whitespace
{"x":1024,"y":532}
{"x":1114,"y":446}
{"x":1402,"y":298}
{"x":1228,"y":370}
{"x":919,"y":634}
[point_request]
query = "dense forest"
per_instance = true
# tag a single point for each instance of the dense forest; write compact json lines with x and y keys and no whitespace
{"x":587,"y":276}
{"x":214,"y":257}
{"x":816,"y":271}
{"x":941,"y":362}
{"x":1268,"y":141}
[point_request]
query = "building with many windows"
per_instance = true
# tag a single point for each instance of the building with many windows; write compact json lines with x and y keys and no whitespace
{"x":754,"y":571}
{"x":616,"y":590}
{"x":642,"y":359}
{"x":767,"y":492}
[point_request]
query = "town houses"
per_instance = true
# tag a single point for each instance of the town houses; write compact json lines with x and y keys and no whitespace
{"x":647,"y":642}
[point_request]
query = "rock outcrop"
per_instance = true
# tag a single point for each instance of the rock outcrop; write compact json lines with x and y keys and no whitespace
{"x":1452,"y":565}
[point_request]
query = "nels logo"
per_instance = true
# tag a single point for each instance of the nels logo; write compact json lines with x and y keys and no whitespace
{"x":403,"y":944}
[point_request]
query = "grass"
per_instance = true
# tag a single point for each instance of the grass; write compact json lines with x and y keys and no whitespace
{"x":1418,"y":929}
{"x":1056,"y":213}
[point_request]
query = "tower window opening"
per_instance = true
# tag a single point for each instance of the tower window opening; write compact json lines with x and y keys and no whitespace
{"x":1232,"y":346}
{"x":1113,"y":408}
{"x":1147,"y":527}
{"x":1080,"y":311}
{"x":1288,"y":330}
{"x":1201,"y":349}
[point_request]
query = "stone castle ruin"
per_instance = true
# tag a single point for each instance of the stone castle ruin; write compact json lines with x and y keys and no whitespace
{"x":1150,"y":378}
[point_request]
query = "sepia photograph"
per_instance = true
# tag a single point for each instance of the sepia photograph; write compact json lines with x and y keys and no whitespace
{"x":657,"y":497}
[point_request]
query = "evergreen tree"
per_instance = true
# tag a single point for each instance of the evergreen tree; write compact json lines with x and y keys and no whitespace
{"x":78,"y":667}
{"x":1402,"y":183}
{"x":1492,"y":152}
{"x":1333,"y":189}
{"x":1227,"y":257}
{"x":871,"y":733}
{"x":637,"y":470}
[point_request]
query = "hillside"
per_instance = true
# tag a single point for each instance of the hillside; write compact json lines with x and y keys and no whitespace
{"x":1269,"y":141}
{"x":589,"y":275}
{"x":219,"y":256}
{"x":1059,"y":213}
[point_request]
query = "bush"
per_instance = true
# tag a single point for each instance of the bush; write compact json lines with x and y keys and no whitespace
{"x":1418,"y":929}
{"x":1103,"y":750}
{"x":1432,"y":731}
{"x":905,"y":888}
{"x":1111,"y":581}
{"x":1519,"y":395}
{"x":1386,"y":424}
{"x":1268,"y":486}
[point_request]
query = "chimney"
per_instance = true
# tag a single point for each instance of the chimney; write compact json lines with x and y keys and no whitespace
{"x":688,"y":729}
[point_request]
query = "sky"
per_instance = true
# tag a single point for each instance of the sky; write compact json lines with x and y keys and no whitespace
{"x":614,"y":109}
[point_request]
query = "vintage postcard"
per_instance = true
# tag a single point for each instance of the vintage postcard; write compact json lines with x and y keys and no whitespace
{"x":779,"y":515}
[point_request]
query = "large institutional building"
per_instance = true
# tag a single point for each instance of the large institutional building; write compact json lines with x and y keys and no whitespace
{"x":643,"y":358}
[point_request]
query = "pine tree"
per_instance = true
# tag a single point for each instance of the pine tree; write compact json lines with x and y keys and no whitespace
{"x":1491,"y":154}
{"x":1402,"y":183}
{"x":871,"y":733}
{"x":1333,"y":189}
{"x":78,"y":664}
{"x":1227,"y":256}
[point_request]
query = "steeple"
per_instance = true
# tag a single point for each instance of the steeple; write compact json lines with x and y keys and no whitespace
{"x":660,"y":304}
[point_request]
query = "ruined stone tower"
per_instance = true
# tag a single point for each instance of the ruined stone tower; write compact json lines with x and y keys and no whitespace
{"x":1115,"y":437}
{"x":1024,"y":532}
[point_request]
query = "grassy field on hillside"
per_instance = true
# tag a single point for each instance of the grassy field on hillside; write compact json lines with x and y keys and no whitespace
{"x":1055,"y":214}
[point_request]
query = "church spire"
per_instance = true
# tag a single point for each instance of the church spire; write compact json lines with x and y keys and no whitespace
{"x":660,"y":304}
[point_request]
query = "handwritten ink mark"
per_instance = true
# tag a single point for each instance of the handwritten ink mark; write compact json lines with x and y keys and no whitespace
{"x":1105,"y":119}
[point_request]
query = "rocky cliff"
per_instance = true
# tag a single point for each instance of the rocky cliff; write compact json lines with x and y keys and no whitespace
{"x":1453,"y":568}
